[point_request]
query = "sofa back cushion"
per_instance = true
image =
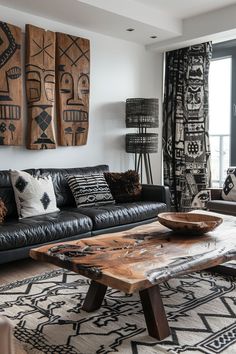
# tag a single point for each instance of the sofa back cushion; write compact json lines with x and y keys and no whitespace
{"x":62,"y":190}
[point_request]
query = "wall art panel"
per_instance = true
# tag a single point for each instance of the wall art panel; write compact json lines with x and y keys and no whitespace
{"x":10,"y":85}
{"x":72,"y":74}
{"x":40,"y":87}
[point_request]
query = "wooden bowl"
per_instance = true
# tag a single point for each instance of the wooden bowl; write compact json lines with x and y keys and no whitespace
{"x":189,"y":222}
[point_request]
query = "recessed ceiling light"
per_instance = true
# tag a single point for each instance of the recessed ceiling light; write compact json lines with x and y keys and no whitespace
{"x":130,"y":29}
{"x":153,"y":37}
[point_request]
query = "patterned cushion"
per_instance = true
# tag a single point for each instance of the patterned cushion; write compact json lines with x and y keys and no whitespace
{"x":90,"y":190}
{"x":125,"y":186}
{"x":200,"y":199}
{"x":3,"y":211}
{"x":229,"y":187}
{"x":33,"y":195}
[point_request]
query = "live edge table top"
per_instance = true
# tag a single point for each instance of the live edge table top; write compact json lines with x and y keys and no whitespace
{"x":141,"y":257}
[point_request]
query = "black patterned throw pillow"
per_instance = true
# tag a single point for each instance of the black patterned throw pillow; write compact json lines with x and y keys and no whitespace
{"x":33,"y":195}
{"x":229,"y":187}
{"x":90,"y":190}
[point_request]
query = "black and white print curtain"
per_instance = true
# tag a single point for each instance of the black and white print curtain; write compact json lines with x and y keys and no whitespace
{"x":185,"y":126}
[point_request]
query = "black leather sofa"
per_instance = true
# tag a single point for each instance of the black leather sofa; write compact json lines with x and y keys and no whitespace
{"x":17,"y":237}
{"x":218,"y":205}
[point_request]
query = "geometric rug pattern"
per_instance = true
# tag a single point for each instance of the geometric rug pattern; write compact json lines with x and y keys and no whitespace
{"x":47,"y":316}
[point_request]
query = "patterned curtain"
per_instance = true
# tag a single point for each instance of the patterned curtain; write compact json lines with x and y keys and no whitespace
{"x":185,"y":126}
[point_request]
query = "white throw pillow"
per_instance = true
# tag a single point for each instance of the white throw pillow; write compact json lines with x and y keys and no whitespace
{"x":229,"y":187}
{"x":33,"y":195}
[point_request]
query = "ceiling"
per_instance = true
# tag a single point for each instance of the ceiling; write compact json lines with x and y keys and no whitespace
{"x":158,"y":24}
{"x":186,"y":8}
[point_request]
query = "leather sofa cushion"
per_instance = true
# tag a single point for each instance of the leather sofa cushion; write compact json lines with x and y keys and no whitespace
{"x":222,"y":206}
{"x":126,"y":213}
{"x":43,"y":228}
{"x":62,"y":190}
{"x":63,"y":193}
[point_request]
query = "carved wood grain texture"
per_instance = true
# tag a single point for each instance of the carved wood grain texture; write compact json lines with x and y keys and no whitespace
{"x":40,"y":87}
{"x":10,"y":85}
{"x":150,"y":254}
{"x":73,"y":86}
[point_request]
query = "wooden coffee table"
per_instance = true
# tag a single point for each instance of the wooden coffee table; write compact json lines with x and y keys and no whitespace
{"x":139,"y":260}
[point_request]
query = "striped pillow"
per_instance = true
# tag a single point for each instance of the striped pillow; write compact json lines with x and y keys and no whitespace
{"x":90,"y":190}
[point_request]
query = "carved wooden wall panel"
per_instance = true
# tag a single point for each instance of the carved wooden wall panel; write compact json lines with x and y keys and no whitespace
{"x":72,"y":73}
{"x":40,"y":87}
{"x":10,"y":85}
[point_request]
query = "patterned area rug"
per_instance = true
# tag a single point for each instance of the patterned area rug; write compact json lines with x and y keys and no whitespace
{"x":46,"y":312}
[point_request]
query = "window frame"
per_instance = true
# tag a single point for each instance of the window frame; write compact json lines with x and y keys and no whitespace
{"x":224,"y":50}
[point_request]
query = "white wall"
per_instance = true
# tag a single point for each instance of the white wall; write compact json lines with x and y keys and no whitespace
{"x":119,"y":70}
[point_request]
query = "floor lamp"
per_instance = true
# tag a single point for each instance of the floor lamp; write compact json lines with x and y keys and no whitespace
{"x":142,"y":113}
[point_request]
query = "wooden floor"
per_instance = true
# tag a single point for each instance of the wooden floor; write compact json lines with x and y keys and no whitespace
{"x":25,"y":268}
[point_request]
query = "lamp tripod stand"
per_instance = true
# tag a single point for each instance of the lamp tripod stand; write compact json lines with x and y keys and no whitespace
{"x":141,"y":159}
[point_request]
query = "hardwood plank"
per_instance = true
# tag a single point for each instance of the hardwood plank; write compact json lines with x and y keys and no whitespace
{"x":73,"y":83}
{"x":24,"y":268}
{"x":94,"y":297}
{"x":10,"y":85}
{"x":154,"y":312}
{"x":40,"y":87}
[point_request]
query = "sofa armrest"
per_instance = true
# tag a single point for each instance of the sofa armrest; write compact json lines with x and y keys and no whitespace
{"x":215,"y":193}
{"x":152,"y":192}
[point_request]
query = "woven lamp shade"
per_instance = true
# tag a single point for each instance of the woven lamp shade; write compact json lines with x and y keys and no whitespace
{"x":142,"y":112}
{"x":141,"y":143}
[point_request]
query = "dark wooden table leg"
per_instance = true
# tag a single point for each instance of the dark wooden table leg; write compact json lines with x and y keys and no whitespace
{"x":94,"y":297}
{"x":154,"y":312}
{"x":225,"y":269}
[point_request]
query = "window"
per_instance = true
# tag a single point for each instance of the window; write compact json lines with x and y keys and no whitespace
{"x":222,"y":110}
{"x":219,"y":118}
